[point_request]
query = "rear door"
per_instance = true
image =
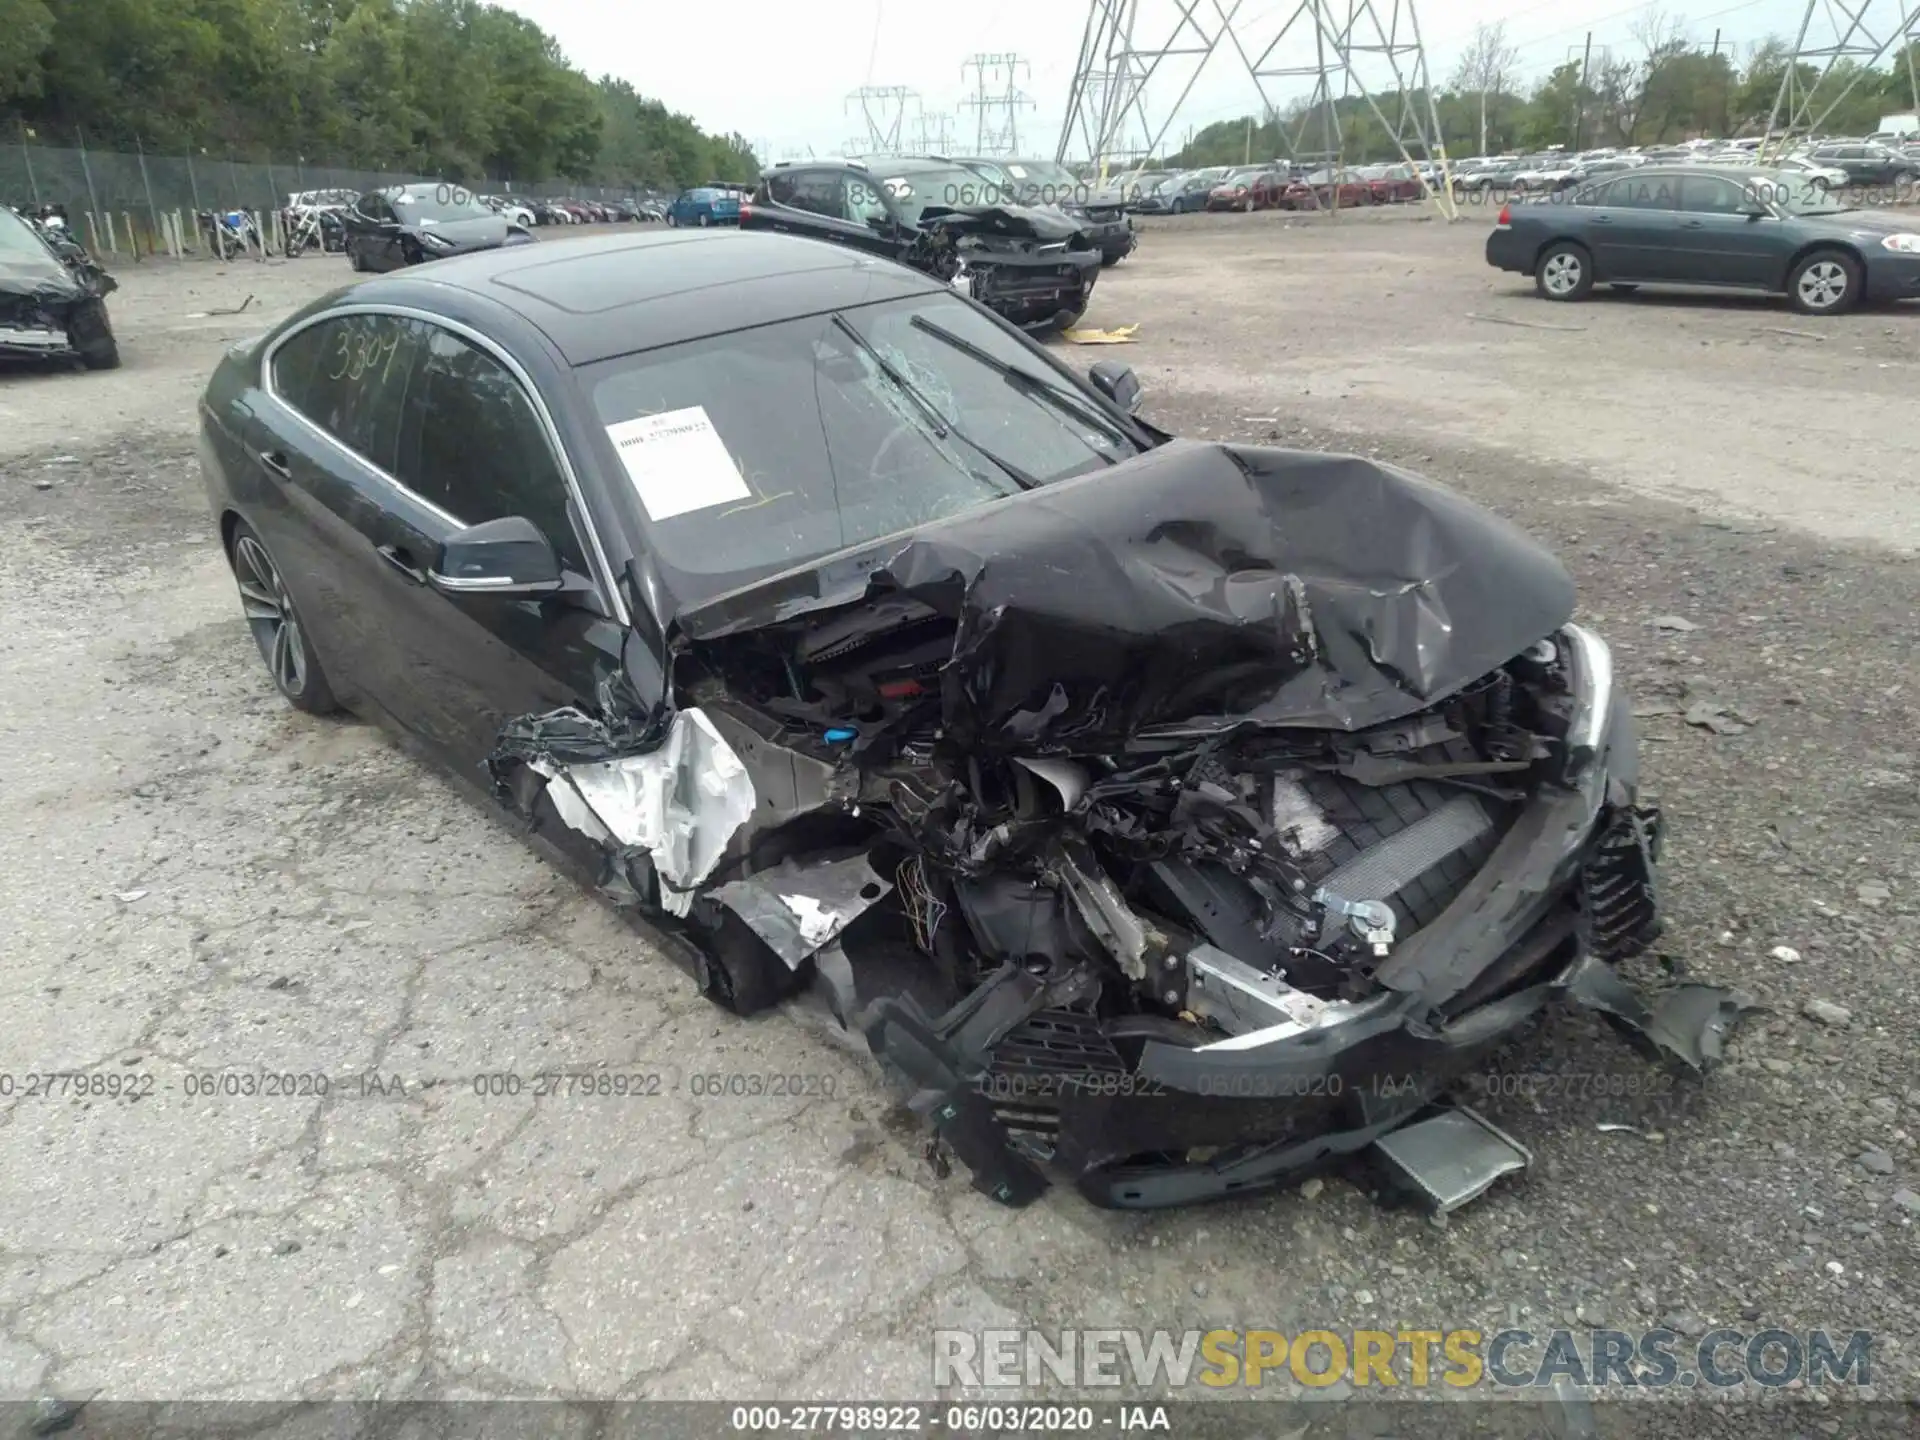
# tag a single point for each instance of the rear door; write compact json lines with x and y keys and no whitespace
{"x":321,"y":443}
{"x":1635,"y":231}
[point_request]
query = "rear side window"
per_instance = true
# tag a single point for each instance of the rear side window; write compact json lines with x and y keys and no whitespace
{"x":350,"y":377}
{"x":1645,"y":192}
{"x":472,"y":443}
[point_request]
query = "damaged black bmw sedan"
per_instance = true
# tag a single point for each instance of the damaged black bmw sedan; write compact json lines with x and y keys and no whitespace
{"x":1177,"y":816}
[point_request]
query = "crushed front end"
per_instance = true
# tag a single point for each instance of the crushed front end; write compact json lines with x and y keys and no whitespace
{"x":1032,"y":267}
{"x":49,"y":297}
{"x":1180,"y":830}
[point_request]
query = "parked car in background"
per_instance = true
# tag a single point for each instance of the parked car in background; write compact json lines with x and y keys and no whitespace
{"x":1181,"y":194}
{"x":1393,"y":184}
{"x":517,"y":212}
{"x":53,"y":296}
{"x":705,"y":205}
{"x":1725,"y":226}
{"x":402,"y":225}
{"x":1548,"y":176}
{"x":1254,"y":187}
{"x":1327,"y":188}
{"x":1832,"y":176}
{"x":1486,"y":179}
{"x":1867,"y":164}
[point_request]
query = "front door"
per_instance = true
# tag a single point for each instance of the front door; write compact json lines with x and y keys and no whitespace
{"x":1721,"y":242}
{"x":472,"y":447}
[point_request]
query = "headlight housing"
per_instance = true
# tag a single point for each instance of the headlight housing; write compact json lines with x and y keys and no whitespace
{"x":1593,"y":697}
{"x":438,"y":242}
{"x":1904,"y":244}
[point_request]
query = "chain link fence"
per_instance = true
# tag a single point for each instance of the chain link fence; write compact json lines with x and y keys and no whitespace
{"x":127,"y":202}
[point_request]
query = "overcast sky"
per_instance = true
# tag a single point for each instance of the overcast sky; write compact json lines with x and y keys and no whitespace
{"x":780,"y":73}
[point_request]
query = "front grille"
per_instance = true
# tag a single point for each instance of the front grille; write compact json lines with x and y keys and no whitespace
{"x":1041,"y":1063}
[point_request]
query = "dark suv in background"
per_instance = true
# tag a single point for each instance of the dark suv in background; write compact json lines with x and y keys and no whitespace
{"x":1867,"y":164}
{"x":1034,"y":267}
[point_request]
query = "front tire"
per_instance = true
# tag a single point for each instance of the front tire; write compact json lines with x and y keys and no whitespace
{"x":1827,"y":282}
{"x":277,"y":629}
{"x":354,"y":262}
{"x":1565,"y":272}
{"x":98,"y":349}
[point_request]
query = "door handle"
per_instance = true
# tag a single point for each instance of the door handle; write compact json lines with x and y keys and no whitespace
{"x":275,"y":462}
{"x":1603,"y":219}
{"x":399,"y":559}
{"x":1691,"y":224}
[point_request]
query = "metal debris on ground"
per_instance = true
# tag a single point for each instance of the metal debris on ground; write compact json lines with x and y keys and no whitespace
{"x":1521,"y":324}
{"x":1121,"y":336}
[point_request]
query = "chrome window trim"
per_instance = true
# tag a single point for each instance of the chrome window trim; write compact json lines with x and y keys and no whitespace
{"x":597,"y":554}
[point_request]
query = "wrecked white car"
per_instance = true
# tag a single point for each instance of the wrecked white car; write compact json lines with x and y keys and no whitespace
{"x":1178,"y":817}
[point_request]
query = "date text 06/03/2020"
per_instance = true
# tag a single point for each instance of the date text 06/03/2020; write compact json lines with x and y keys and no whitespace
{"x":960,"y":1419}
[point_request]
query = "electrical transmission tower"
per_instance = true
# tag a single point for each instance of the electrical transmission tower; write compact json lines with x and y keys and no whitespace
{"x":1863,"y":32}
{"x":1364,"y":50}
{"x":933,"y":133}
{"x":883,"y":108}
{"x":996,"y":102}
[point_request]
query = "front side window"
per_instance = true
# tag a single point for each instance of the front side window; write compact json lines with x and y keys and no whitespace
{"x":861,"y":200}
{"x":350,"y":377}
{"x":472,"y":443}
{"x":1710,"y":195}
{"x":769,"y":447}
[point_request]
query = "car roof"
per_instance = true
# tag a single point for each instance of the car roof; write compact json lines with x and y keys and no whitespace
{"x":601,"y":296}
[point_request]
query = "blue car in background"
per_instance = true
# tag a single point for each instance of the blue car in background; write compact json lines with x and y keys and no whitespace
{"x":705,"y":205}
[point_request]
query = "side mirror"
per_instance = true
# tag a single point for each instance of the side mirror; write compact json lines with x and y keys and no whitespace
{"x":1118,"y":383}
{"x":500,"y":557}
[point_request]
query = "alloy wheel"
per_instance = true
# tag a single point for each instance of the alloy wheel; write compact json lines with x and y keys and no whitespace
{"x":1823,"y":285}
{"x":1561,"y":274}
{"x":269,"y":612}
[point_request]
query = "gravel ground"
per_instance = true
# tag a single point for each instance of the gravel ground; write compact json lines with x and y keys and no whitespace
{"x":201,"y":880}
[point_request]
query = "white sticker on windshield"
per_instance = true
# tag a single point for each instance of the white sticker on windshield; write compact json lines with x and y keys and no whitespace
{"x":677,"y":462}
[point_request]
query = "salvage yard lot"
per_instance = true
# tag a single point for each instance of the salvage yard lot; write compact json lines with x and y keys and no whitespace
{"x":203,"y":881}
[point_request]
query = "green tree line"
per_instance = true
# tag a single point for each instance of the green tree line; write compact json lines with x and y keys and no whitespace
{"x":1659,"y":90}
{"x":455,"y":88}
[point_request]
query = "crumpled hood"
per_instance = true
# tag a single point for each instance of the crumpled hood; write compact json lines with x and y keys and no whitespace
{"x":1205,"y":585}
{"x":483,"y":232}
{"x":40,"y":276}
{"x":1012,"y":222}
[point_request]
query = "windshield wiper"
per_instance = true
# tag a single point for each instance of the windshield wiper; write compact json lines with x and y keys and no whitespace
{"x":1065,"y":401}
{"x":942,"y":427}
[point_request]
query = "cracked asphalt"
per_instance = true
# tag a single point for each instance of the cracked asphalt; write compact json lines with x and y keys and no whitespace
{"x":261,"y":964}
